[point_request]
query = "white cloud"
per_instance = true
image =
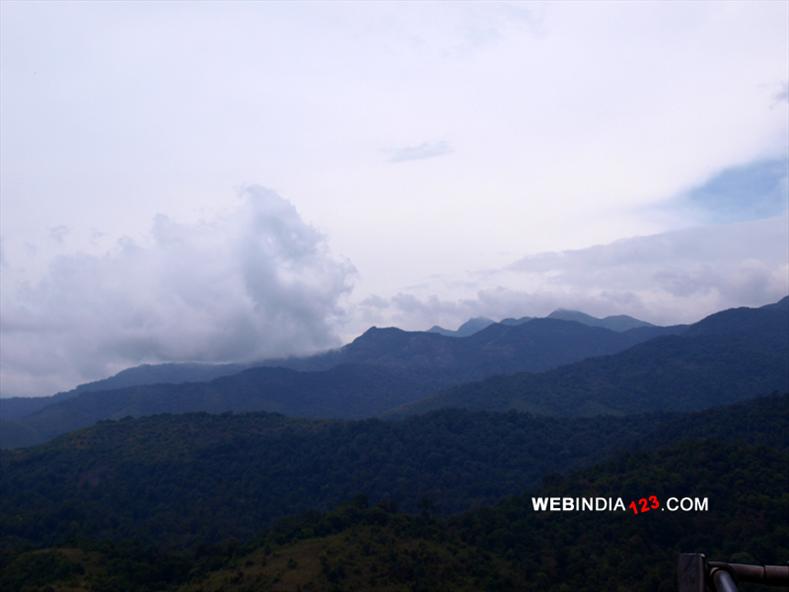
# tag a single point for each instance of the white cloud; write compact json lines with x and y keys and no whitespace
{"x":566,"y":119}
{"x":257,"y":282}
{"x":666,"y":278}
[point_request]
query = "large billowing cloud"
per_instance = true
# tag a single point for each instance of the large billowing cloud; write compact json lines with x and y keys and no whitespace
{"x":666,"y":278}
{"x":254,"y":283}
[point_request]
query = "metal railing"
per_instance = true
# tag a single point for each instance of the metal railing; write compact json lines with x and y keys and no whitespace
{"x":696,"y":574}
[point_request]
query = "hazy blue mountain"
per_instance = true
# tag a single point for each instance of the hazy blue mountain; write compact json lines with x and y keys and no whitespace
{"x":770,"y":321}
{"x":614,"y":323}
{"x":163,"y":373}
{"x":380,"y":370}
{"x":513,"y":321}
{"x":13,"y":408}
{"x":470,"y":327}
{"x":347,"y":390}
{"x":498,"y":349}
{"x":728,"y":356}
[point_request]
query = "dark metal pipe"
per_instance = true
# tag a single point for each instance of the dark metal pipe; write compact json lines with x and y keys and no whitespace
{"x":723,"y":580}
{"x":695,"y":574}
{"x":771,"y":575}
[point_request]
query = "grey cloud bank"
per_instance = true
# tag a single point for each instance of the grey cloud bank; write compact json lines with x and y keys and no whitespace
{"x":254,"y":283}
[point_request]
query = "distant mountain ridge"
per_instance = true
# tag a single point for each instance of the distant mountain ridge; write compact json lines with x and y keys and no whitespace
{"x":380,"y":370}
{"x":723,"y":358}
{"x":613,"y":323}
{"x":546,"y":366}
{"x":13,"y":408}
{"x":340,"y":391}
{"x":470,"y":327}
{"x":497,"y":349}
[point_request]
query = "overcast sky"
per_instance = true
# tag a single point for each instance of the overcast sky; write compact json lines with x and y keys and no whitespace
{"x":217,"y":181}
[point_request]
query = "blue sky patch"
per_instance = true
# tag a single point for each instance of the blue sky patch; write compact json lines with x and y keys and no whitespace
{"x":749,"y":192}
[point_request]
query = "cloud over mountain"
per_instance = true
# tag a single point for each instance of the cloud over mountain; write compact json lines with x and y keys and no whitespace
{"x":666,"y":278}
{"x":253,"y":283}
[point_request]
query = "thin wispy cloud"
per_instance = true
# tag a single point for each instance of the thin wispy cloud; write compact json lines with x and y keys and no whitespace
{"x":58,"y":233}
{"x":421,"y":151}
{"x":782,"y":96}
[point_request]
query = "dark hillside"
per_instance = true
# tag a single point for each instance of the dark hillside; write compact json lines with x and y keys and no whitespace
{"x":167,"y":478}
{"x":507,"y":547}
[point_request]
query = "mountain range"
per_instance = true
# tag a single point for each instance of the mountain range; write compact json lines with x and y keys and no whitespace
{"x":613,"y":323}
{"x":380,"y":370}
{"x":470,"y":327}
{"x":546,"y":366}
{"x":176,"y":373}
{"x":723,"y":358}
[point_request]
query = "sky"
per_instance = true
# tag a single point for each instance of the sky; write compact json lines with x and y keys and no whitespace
{"x":231,"y":181}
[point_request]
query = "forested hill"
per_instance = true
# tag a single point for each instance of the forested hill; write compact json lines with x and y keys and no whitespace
{"x":167,"y":478}
{"x":726,"y":357}
{"x":735,"y":457}
{"x":511,"y":547}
